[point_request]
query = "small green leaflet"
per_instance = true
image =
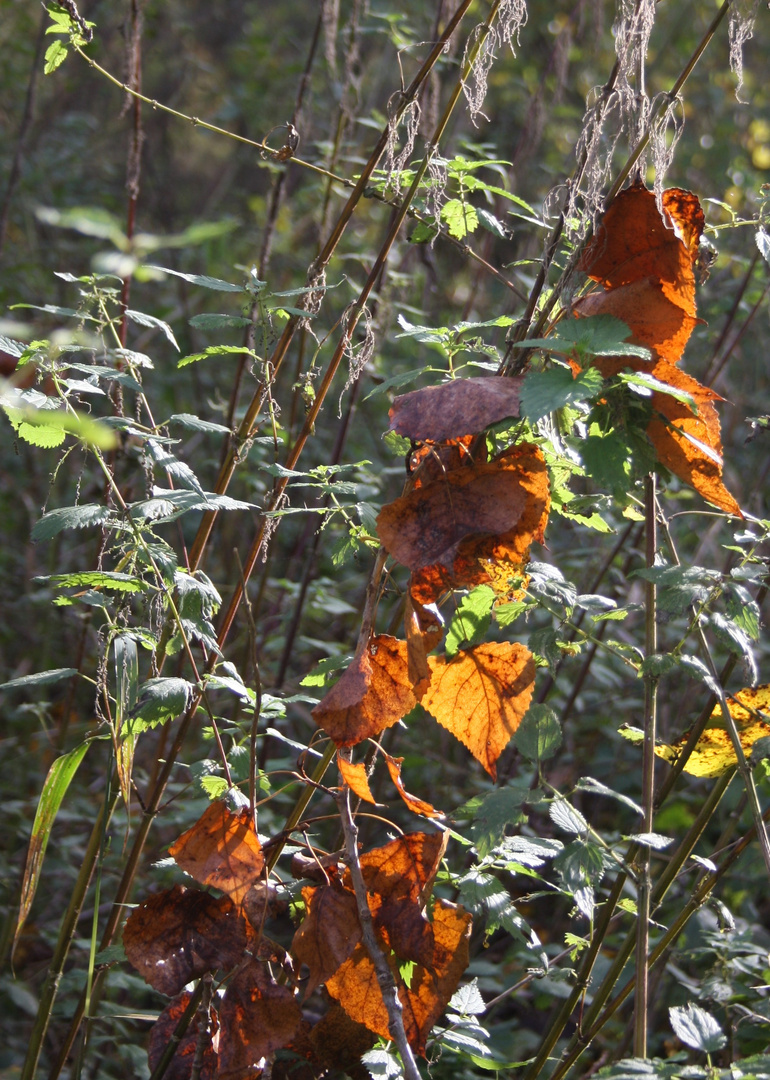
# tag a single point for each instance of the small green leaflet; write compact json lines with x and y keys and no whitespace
{"x":460,"y":218}
{"x":159,"y":700}
{"x":158,"y":324}
{"x":194,"y":423}
{"x":55,"y":55}
{"x":545,"y":391}
{"x":563,"y":814}
{"x":215,"y":350}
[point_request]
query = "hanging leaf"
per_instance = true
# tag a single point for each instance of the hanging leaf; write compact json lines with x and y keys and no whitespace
{"x":714,"y":752}
{"x":257,"y":1016}
{"x":481,"y":696}
{"x":161,"y":1034}
{"x":456,"y":408}
{"x":417,"y":806}
{"x":222,"y":851}
{"x":697,"y":1028}
{"x":354,"y":775}
{"x":373,"y":693}
{"x":328,"y":934}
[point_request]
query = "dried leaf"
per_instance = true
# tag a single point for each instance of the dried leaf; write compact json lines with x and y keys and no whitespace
{"x":178,"y":935}
{"x":339,"y":1042}
{"x":373,"y":693}
{"x":423,"y":633}
{"x":356,"y":779}
{"x":329,"y":932}
{"x":221,"y":850}
{"x":456,"y":408}
{"x":180,"y":1066}
{"x":481,"y":696}
{"x":427,"y":525}
{"x":258,"y":1017}
{"x":417,"y":806}
{"x":356,"y":988}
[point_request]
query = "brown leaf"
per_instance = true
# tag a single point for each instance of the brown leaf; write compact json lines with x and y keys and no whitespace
{"x":356,"y":779}
{"x":498,"y":561}
{"x":177,"y":935}
{"x":427,"y":525}
{"x":221,"y":850}
{"x":257,"y":1017}
{"x":339,"y":1042}
{"x":634,"y":241}
{"x":423,"y":633}
{"x":456,"y":408}
{"x":356,"y":988}
{"x":399,"y":878}
{"x":373,"y":693}
{"x":417,"y":806}
{"x":329,"y":932}
{"x":434,"y":460}
{"x":481,"y":696}
{"x":162,"y":1031}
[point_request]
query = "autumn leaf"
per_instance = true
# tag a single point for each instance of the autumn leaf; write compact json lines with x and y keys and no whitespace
{"x":221,"y":850}
{"x":714,"y":752}
{"x":423,"y":632}
{"x":354,"y":775}
{"x":373,"y":693}
{"x":499,"y":560}
{"x":340,"y":1042}
{"x":328,"y":933}
{"x":427,"y":525}
{"x":356,"y":988}
{"x":178,"y":935}
{"x":456,"y":408}
{"x":417,"y":806}
{"x":481,"y":696}
{"x":162,"y":1032}
{"x":257,"y":1017}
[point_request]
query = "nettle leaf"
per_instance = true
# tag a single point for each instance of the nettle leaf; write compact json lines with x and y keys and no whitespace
{"x":529,"y":852}
{"x":539,"y":734}
{"x":467,"y":1001}
{"x":179,"y":470}
{"x":160,"y":700}
{"x":40,"y":678}
{"x":55,"y":55}
{"x":69,"y":517}
{"x":143,"y":319}
{"x":606,"y":459}
{"x":734,"y":639}
{"x":213,"y":321}
{"x":697,"y":1028}
{"x":596,"y":335}
{"x":203,"y":280}
{"x":194,"y":423}
{"x":97,"y":579}
{"x":492,"y":814}
{"x":215,"y":350}
{"x":587,"y":783}
{"x":566,"y":817}
{"x":471,"y":620}
{"x":545,"y":391}
{"x":460,"y":218}
{"x":581,"y":866}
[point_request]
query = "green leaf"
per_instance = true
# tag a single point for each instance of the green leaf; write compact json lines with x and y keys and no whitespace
{"x":697,"y":1028}
{"x":587,"y":783}
{"x":211,"y":321}
{"x":598,"y":335}
{"x":214,"y":350}
{"x":69,"y":517}
{"x":203,"y":280}
{"x":491,"y":814}
{"x":97,"y":579}
{"x":460,"y":218}
{"x":545,"y":391}
{"x":566,"y":817}
{"x":159,"y":700}
{"x":423,"y":233}
{"x":607,"y":459}
{"x":194,"y":423}
{"x":471,"y":619}
{"x":54,"y":789}
{"x":157,"y":324}
{"x":40,"y":678}
{"x":55,"y":55}
{"x":215,"y":787}
{"x":538,"y":736}
{"x":87,"y":220}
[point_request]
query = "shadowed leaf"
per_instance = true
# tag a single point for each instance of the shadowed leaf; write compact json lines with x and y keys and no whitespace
{"x":329,"y":932}
{"x":456,"y":408}
{"x":257,"y":1017}
{"x":180,"y":1066}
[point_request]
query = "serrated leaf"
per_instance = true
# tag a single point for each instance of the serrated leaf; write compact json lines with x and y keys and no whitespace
{"x":491,"y":814}
{"x":653,"y":840}
{"x":69,"y":517}
{"x":194,"y":423}
{"x":471,"y":620}
{"x":40,"y":678}
{"x":468,"y":1000}
{"x":160,"y":700}
{"x":143,"y":319}
{"x":539,"y":735}
{"x":203,"y":280}
{"x":597,"y":335}
{"x":545,"y":391}
{"x":460,"y":218}
{"x":697,"y":1028}
{"x":566,"y":817}
{"x":214,"y":350}
{"x":214,"y":321}
{"x":98,"y":579}
{"x":587,"y":783}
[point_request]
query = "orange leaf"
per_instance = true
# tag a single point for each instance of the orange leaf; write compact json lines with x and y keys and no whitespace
{"x":373,"y":693}
{"x":634,"y":241}
{"x":258,"y":1017}
{"x":221,"y":850}
{"x":329,"y":932}
{"x":481,"y":696}
{"x":162,"y":1031}
{"x":456,"y":408}
{"x":416,"y":805}
{"x":427,"y":525}
{"x":356,"y":988}
{"x":177,"y":935}
{"x":356,"y":779}
{"x":689,"y":445}
{"x":423,"y":633}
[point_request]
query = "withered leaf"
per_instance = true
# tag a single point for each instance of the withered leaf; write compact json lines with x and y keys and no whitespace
{"x":339,"y":1042}
{"x":417,"y":806}
{"x":221,"y":850}
{"x":481,"y":696}
{"x":177,"y":935}
{"x":329,"y":932}
{"x":373,"y":693}
{"x":180,"y":1066}
{"x":356,"y":988}
{"x":427,"y":525}
{"x":423,"y":633}
{"x":354,"y":775}
{"x":456,"y":408}
{"x":257,"y":1017}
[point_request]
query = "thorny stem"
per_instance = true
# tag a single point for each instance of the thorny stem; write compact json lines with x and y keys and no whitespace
{"x":644,"y":883}
{"x":385,"y":980}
